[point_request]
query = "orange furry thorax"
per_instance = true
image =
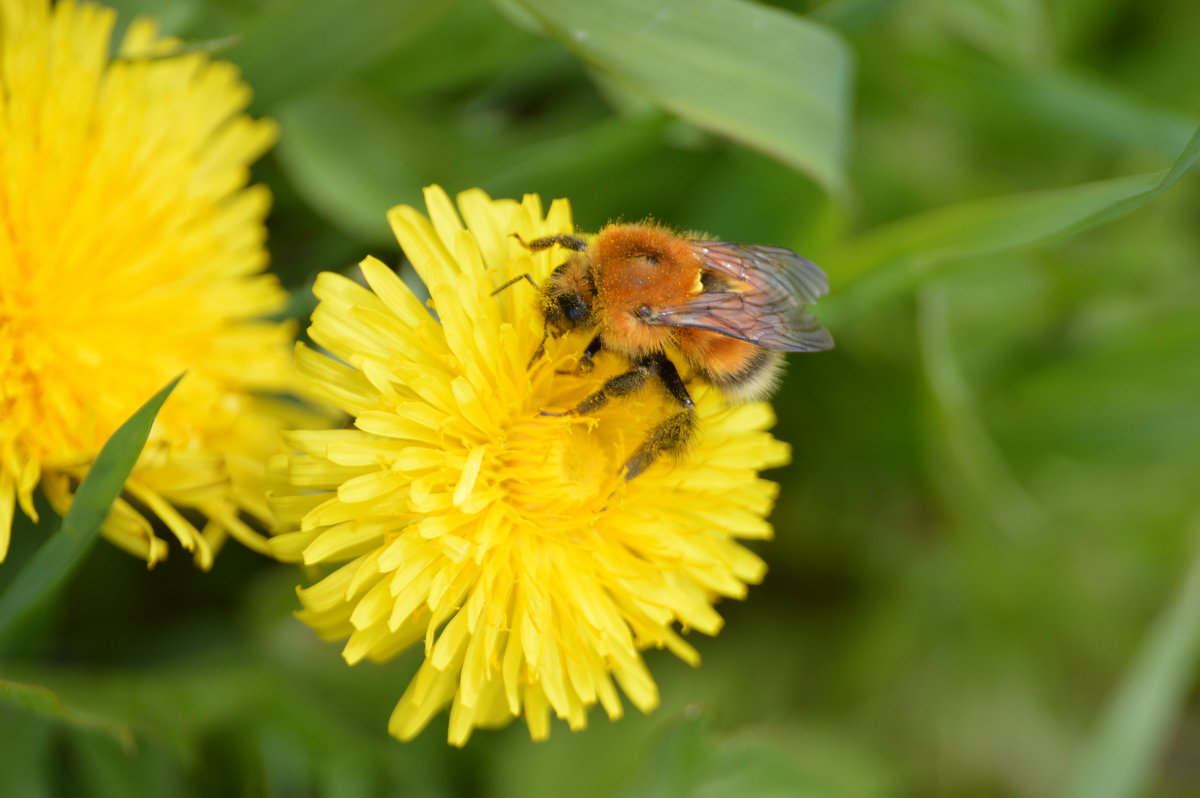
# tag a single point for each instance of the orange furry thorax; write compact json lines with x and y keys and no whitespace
{"x":636,"y":266}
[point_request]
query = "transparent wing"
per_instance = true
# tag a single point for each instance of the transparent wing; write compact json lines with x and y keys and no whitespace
{"x":758,"y":294}
{"x":773,"y":270}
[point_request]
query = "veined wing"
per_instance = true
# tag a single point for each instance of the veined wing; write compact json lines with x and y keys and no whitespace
{"x":756,"y":294}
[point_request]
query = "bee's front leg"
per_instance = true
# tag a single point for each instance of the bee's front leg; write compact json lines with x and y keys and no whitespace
{"x":545,"y":242}
{"x":621,"y":385}
{"x":586,"y":360}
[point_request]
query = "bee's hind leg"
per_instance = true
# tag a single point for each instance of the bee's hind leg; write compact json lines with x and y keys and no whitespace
{"x":671,"y":436}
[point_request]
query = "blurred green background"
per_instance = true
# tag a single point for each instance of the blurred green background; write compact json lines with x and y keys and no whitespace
{"x":985,"y":580}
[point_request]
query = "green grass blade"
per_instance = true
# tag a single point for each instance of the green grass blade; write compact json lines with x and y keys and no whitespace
{"x":974,"y":460}
{"x":1062,"y":102}
{"x":759,"y":75}
{"x":1183,"y":163}
{"x":54,"y":562}
{"x":914,"y":247}
{"x":1118,"y":761}
{"x":43,"y":702}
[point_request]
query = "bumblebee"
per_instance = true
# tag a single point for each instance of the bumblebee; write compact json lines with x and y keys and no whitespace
{"x":728,"y":311}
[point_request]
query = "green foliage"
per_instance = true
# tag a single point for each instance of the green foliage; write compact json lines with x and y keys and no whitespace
{"x":979,"y":583}
{"x":1121,"y":755}
{"x":758,"y":75}
{"x":995,"y":225}
{"x":50,"y":568}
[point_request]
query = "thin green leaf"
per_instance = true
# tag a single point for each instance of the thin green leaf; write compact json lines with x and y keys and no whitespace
{"x":44,"y":702}
{"x":209,"y":47}
{"x":58,"y":557}
{"x":976,"y":461}
{"x":909,"y":250}
{"x":1073,"y":105}
{"x":762,"y":76}
{"x":1118,"y":761}
{"x":1017,"y":31}
{"x":1183,"y":163}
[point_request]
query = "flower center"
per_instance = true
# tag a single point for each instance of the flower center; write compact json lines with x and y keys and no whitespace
{"x":560,"y":471}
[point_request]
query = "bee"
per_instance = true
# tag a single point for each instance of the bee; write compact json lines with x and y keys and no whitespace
{"x":728,"y":311}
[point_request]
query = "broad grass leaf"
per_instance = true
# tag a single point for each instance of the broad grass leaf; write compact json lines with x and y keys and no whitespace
{"x":54,"y":562}
{"x":759,"y":75}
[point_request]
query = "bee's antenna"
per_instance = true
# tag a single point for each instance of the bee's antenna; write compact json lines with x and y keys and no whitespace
{"x":515,"y":280}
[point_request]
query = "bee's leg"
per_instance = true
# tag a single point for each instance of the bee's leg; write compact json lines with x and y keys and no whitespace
{"x":541,"y":347}
{"x":545,"y":242}
{"x":670,"y":436}
{"x":665,"y":370}
{"x":585,"y":360}
{"x":621,"y":385}
{"x":585,"y":364}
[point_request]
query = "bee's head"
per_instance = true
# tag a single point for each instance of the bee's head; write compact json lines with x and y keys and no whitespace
{"x":566,"y":298}
{"x":567,"y":311}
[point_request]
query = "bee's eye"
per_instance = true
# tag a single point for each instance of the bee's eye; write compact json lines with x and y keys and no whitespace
{"x":573,"y":307}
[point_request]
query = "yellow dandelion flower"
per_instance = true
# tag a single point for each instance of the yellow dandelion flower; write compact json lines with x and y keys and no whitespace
{"x":506,"y":539}
{"x":130,"y":250}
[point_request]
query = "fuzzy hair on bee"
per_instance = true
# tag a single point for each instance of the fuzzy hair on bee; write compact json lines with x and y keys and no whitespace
{"x":728,"y":311}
